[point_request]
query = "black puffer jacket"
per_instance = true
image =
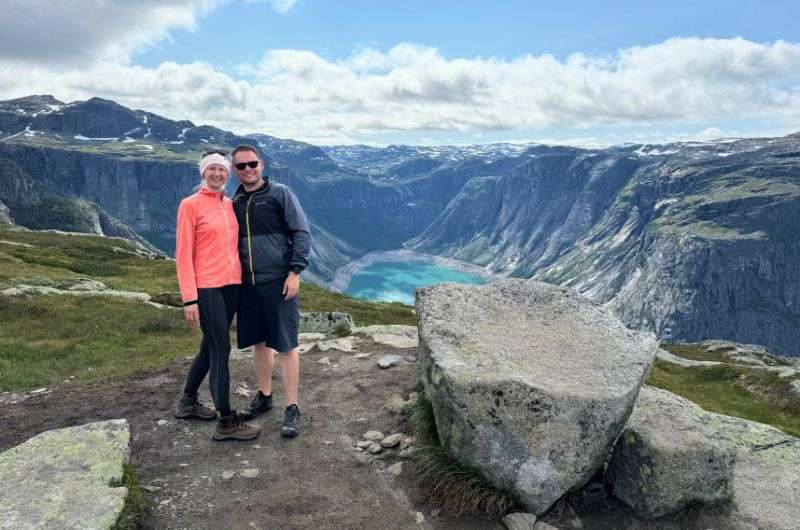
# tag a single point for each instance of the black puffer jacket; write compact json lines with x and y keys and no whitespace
{"x":274,"y":235}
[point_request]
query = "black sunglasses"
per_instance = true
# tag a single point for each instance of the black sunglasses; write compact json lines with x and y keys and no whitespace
{"x":241,"y":165}
{"x":207,"y":152}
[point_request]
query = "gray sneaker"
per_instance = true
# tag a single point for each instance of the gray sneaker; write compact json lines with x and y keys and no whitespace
{"x":189,"y":407}
{"x":290,"y":419}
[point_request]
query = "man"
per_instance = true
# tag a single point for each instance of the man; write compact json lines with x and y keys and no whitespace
{"x":274,"y":243}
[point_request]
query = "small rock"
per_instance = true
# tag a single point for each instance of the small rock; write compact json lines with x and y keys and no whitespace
{"x":519,"y":521}
{"x":362,"y":355}
{"x":307,"y":347}
{"x":373,"y":436}
{"x":363,"y":444}
{"x":541,"y":525}
{"x":392,"y":440}
{"x":407,"y":453}
{"x":227,"y":475}
{"x":250,"y":472}
{"x":151,"y":489}
{"x":420,"y":518}
{"x":38,"y":391}
{"x":435,"y":512}
{"x":324,"y":361}
{"x":311,"y":337}
{"x":364,"y":458}
{"x":395,"y":469}
{"x":412,"y":396}
{"x":407,"y":442}
{"x":161,"y":422}
{"x":358,"y":449}
{"x":387,"y":361}
{"x":374,"y":449}
{"x":242,"y":390}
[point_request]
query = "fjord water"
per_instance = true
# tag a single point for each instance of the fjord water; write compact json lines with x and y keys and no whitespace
{"x":396,"y":281}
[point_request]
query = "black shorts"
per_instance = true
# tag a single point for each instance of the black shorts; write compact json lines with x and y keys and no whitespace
{"x":264,"y":316}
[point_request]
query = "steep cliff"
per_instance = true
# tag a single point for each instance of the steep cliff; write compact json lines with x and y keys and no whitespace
{"x":691,"y":240}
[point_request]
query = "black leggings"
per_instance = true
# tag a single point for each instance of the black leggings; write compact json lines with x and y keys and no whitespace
{"x":217,"y":307}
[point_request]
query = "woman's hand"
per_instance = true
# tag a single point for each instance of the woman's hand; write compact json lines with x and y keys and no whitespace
{"x":192,"y":315}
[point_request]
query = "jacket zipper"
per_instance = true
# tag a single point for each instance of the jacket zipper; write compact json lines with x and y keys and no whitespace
{"x":227,"y":229}
{"x":249,"y":241}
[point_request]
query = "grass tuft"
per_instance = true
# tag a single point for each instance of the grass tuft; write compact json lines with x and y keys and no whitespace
{"x":445,"y":483}
{"x":136,"y":505}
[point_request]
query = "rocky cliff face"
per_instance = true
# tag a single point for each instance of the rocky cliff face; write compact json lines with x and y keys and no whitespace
{"x":692,"y":241}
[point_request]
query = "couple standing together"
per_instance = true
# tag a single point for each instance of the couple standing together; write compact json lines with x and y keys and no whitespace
{"x":242,"y":255}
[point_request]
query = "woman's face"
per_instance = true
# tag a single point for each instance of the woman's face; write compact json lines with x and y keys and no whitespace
{"x":215,"y":176}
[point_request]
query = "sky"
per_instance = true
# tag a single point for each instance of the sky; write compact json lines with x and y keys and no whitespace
{"x":421,"y":72}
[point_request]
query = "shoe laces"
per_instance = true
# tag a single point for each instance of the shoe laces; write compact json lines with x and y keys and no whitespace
{"x":292,"y":412}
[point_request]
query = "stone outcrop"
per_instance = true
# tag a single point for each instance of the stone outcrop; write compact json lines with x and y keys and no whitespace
{"x":67,"y":478}
{"x":765,"y":479}
{"x":330,"y":322}
{"x":670,"y":456}
{"x":530,"y":383}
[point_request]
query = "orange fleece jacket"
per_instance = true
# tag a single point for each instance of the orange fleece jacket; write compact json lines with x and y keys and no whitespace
{"x":206,"y":245}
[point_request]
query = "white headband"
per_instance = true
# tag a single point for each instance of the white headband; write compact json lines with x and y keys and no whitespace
{"x":214,"y":158}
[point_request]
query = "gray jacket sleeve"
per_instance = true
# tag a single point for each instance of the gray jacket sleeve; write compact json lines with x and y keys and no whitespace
{"x":298,"y":228}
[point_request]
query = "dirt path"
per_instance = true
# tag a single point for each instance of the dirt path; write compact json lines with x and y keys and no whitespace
{"x":314,"y":481}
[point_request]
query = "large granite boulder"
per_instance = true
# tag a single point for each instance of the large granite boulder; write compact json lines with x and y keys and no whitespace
{"x":530,"y":383}
{"x":670,"y":456}
{"x":66,"y":478}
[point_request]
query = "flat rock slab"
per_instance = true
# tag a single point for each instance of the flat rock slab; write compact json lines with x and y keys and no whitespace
{"x":530,"y":383}
{"x":64,"y":478}
{"x":766,"y":478}
{"x":394,"y":335}
{"x":669,"y":456}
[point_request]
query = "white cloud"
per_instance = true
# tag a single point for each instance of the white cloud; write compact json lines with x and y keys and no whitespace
{"x":71,"y":33}
{"x":59,"y":33}
{"x":682,"y":82}
{"x":281,"y":6}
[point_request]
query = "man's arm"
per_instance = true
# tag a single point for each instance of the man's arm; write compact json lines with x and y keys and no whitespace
{"x":300,"y":233}
{"x":301,"y":243}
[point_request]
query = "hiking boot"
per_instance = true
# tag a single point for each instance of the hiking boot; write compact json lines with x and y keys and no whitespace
{"x":258,"y":406}
{"x":233,"y":428}
{"x":290,"y":418}
{"x":189,"y":407}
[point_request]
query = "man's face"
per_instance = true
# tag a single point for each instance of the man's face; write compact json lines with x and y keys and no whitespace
{"x":249,"y":175}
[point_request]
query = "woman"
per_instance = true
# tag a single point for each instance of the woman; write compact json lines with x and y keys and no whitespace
{"x":209,"y":275}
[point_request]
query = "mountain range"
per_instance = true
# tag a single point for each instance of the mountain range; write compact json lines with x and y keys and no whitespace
{"x":692,"y":240}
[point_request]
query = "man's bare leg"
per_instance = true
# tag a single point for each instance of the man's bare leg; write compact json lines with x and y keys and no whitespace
{"x":290,"y":373}
{"x":264,"y":361}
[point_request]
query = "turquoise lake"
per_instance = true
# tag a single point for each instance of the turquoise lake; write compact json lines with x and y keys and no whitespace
{"x":396,"y":281}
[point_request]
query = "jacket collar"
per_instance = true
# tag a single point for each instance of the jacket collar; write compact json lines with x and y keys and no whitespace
{"x":210,"y":193}
{"x":240,"y":191}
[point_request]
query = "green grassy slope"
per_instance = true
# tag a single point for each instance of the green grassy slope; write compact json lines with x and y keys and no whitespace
{"x":46,"y":339}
